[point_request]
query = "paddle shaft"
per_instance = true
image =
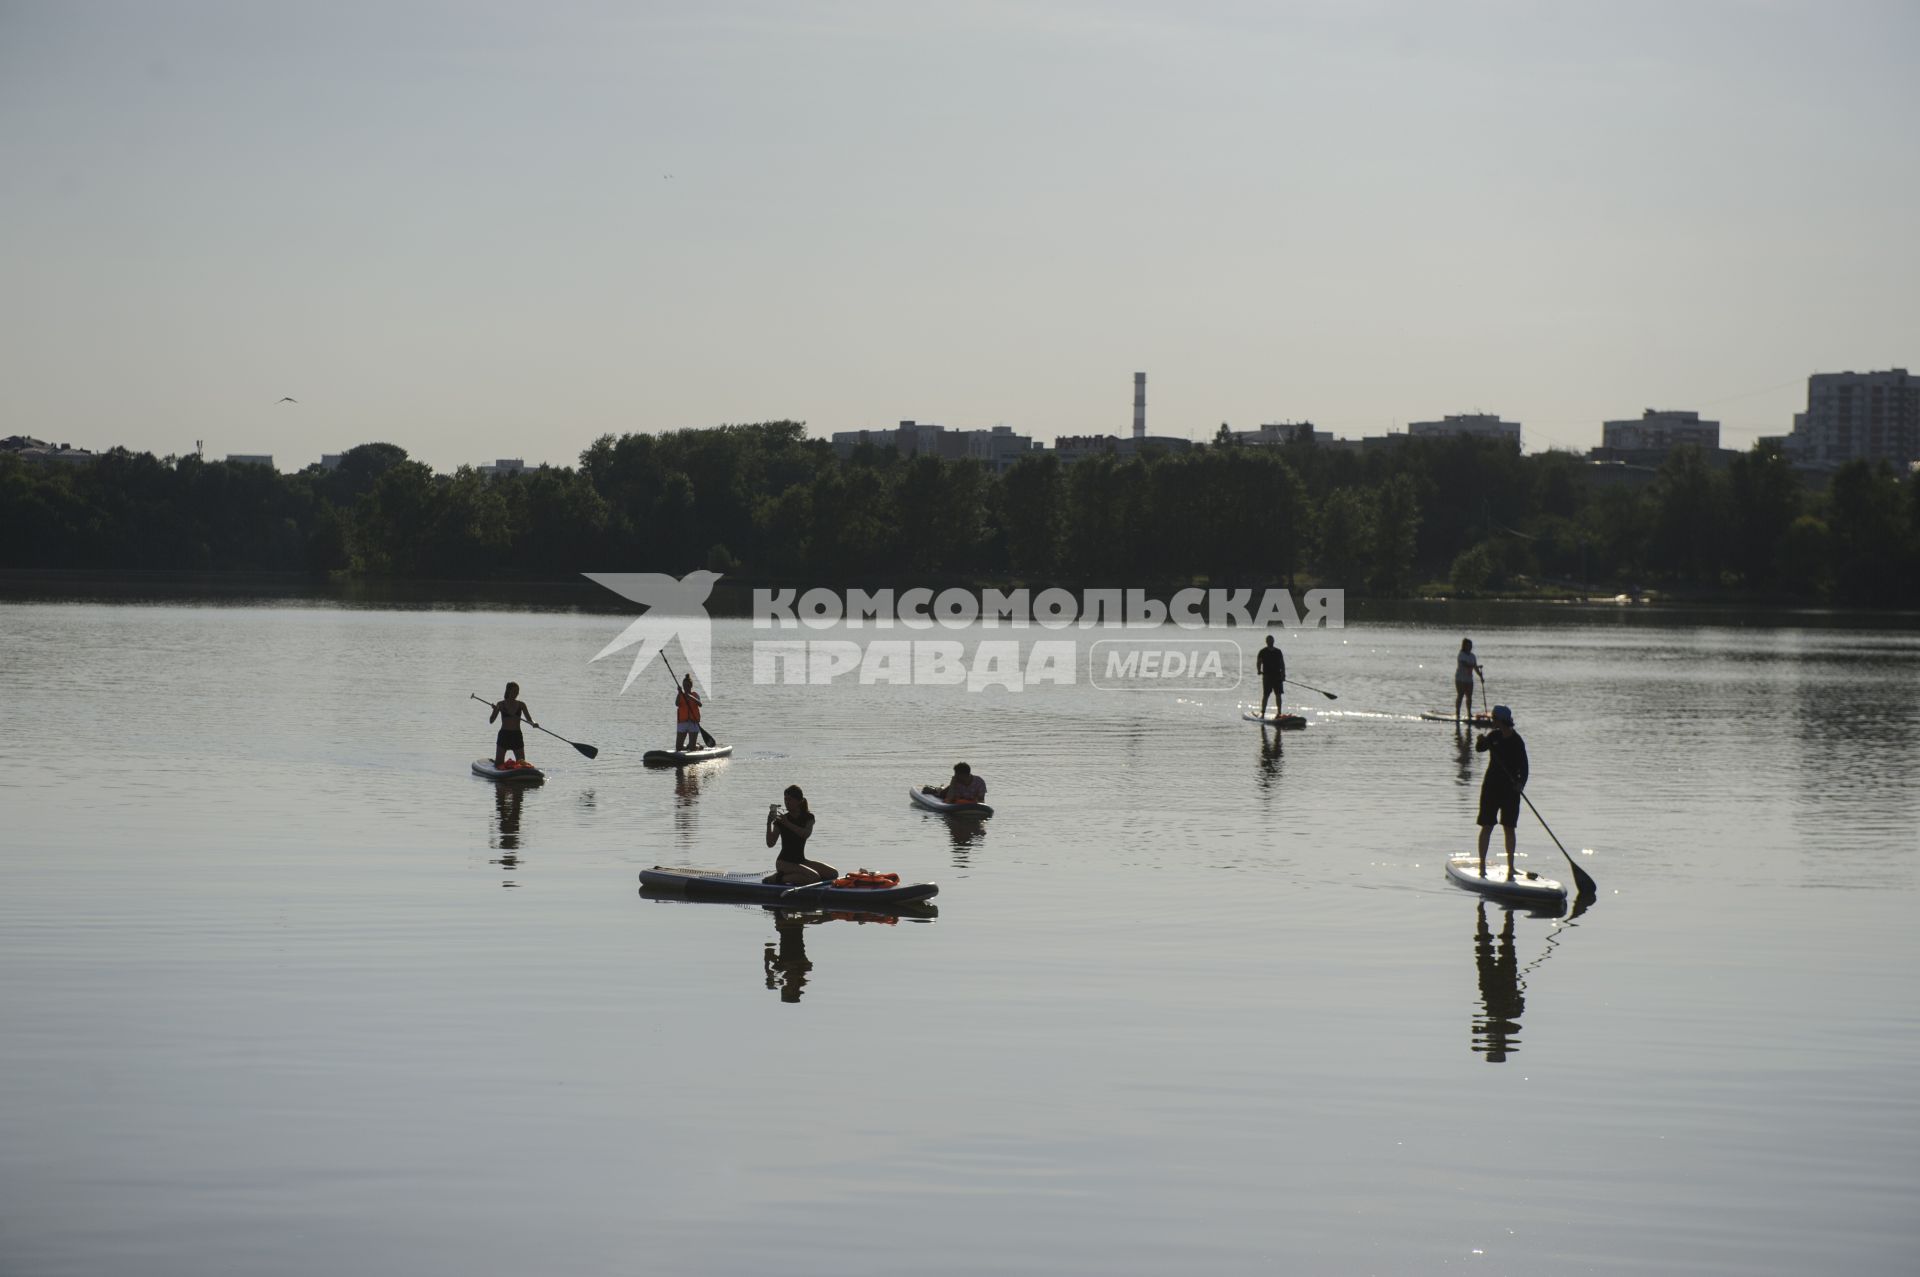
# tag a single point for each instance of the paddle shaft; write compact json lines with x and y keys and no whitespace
{"x":705,"y":735}
{"x":589,"y":750}
{"x":1311,"y":688}
{"x":1581,"y":878}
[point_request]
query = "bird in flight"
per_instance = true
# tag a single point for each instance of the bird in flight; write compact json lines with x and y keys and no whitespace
{"x":287,"y":399}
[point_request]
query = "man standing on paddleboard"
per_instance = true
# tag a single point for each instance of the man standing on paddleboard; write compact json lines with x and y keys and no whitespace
{"x":1500,"y":790}
{"x":1465,"y":667}
{"x":511,"y":712}
{"x":1272,"y":668}
{"x":686,"y":713}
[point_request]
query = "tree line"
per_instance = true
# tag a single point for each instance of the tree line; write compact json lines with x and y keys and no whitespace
{"x":1464,"y":516}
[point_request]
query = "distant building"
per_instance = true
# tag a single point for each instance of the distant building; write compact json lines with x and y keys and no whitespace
{"x":250,"y":459}
{"x":1478,"y":425}
{"x":503,"y":465}
{"x":27,"y":448}
{"x":1872,"y":416}
{"x":1658,"y":431}
{"x":1275,"y":433}
{"x":331,"y":460}
{"x":998,"y":448}
{"x":1072,"y":448}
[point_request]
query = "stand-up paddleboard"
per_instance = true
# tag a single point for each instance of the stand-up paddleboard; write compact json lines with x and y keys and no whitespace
{"x":1441,"y":716}
{"x":1285,"y":722}
{"x":512,"y":771}
{"x":952,"y":809}
{"x":681,"y":757}
{"x":723,"y":884}
{"x":1465,"y":870}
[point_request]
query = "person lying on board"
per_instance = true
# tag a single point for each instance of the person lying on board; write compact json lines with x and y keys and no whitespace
{"x":791,"y":829}
{"x":965,"y":787}
{"x":686,"y":714}
{"x":511,"y":711}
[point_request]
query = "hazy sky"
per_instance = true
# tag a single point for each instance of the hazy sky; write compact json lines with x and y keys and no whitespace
{"x":482,"y":229}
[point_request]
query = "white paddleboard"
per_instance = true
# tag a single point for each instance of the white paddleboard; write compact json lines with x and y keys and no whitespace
{"x":485,"y":767}
{"x":952,"y":809}
{"x":1285,"y":722}
{"x":681,"y":757}
{"x":1464,"y":869}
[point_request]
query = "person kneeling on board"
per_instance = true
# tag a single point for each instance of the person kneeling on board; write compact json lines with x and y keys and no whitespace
{"x":1272,"y":666}
{"x":686,"y":714}
{"x":791,"y":829}
{"x":511,"y":711}
{"x":1500,"y":790}
{"x":965,"y":787}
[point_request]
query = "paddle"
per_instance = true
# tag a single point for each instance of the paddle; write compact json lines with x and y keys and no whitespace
{"x":1581,"y":878}
{"x":589,"y":750}
{"x":1311,"y":688}
{"x":705,"y":735}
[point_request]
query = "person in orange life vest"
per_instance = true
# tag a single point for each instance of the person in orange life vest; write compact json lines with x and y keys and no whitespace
{"x":965,"y":787}
{"x":511,"y":712}
{"x":686,"y":713}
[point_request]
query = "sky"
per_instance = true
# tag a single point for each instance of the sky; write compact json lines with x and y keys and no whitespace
{"x":483,"y":230}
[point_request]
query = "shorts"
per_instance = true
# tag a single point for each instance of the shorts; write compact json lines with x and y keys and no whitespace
{"x":509,"y":739}
{"x":1499,"y":807}
{"x":1464,"y":686}
{"x":687,"y":729}
{"x":1271,"y":682}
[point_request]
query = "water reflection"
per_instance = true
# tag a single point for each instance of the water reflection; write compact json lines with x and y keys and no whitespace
{"x":1463,"y":754}
{"x":1496,"y":1029}
{"x":785,"y":959}
{"x":966,"y":833}
{"x":687,"y":782}
{"x":1503,"y":981}
{"x":1271,"y":756}
{"x":504,"y":837}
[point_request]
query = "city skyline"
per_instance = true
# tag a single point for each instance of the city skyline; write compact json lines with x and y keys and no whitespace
{"x":508,"y":236}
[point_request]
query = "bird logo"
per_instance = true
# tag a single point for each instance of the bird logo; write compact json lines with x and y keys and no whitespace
{"x":676,"y":609}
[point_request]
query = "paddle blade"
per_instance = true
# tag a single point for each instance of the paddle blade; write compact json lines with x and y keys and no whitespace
{"x":707,"y":736}
{"x":1583,"y":880}
{"x":589,"y":750}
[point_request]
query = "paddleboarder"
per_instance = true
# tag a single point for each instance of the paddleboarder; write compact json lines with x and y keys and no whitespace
{"x":1466,"y":665}
{"x":511,"y":712}
{"x":965,"y":787}
{"x":1271,"y":665}
{"x":791,"y":829}
{"x":686,"y":714}
{"x":1500,"y":790}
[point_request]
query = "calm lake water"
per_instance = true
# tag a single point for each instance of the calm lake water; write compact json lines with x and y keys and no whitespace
{"x":288,"y":991}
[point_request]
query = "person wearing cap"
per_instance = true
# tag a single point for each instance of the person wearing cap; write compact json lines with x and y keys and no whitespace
{"x":965,"y":787}
{"x":1500,"y":790}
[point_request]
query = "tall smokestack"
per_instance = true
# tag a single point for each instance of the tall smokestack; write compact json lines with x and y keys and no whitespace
{"x":1139,"y":405}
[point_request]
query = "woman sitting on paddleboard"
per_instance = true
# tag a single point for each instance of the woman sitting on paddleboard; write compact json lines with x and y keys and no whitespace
{"x":686,"y":713}
{"x":791,"y":829}
{"x":511,"y":712}
{"x":965,"y":787}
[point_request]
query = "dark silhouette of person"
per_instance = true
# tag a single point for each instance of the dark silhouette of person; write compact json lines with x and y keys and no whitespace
{"x":787,"y":964}
{"x":1496,"y":1030}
